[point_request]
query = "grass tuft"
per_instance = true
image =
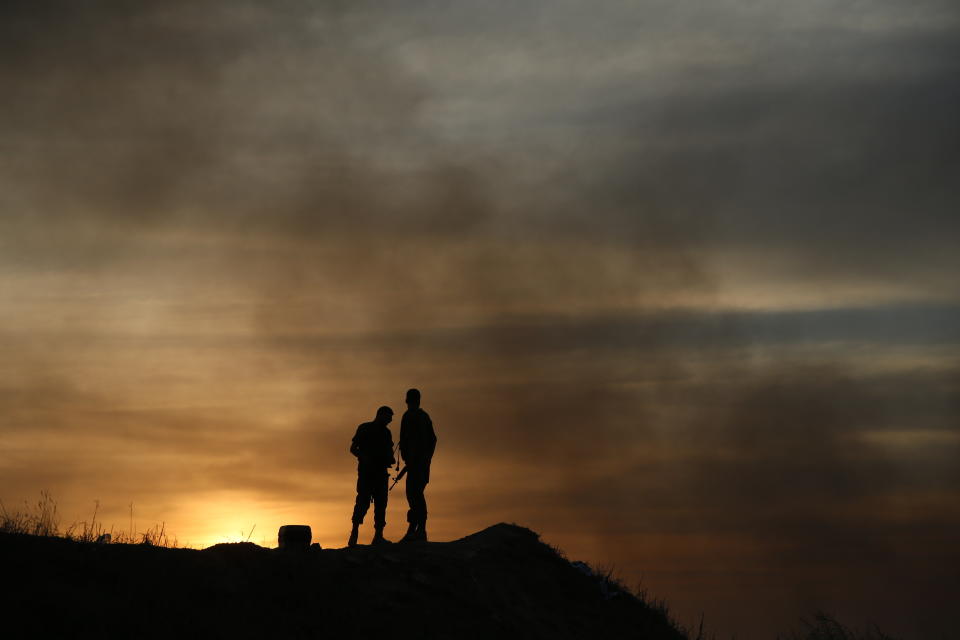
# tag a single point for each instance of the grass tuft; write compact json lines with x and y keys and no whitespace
{"x":825,"y":627}
{"x":42,"y":519}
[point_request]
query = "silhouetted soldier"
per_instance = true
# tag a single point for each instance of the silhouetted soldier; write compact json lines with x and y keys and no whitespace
{"x":417,"y":443}
{"x":373,"y":446}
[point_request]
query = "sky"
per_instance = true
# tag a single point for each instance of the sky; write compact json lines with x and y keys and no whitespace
{"x":677,"y":280}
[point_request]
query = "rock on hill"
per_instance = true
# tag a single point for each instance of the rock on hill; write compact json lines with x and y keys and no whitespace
{"x":500,"y":582}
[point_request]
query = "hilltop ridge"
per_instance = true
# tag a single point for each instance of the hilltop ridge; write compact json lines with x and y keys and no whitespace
{"x":499,"y":582}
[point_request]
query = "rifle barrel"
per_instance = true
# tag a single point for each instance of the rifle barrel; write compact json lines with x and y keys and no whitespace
{"x":402,"y":473}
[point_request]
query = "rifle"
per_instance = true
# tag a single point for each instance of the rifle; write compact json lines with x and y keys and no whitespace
{"x":402,"y":473}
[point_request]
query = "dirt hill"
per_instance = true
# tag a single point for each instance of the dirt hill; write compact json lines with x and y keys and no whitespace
{"x":500,"y":582}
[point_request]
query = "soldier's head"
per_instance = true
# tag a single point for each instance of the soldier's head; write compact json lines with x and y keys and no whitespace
{"x":384,"y":415}
{"x":413,"y":398}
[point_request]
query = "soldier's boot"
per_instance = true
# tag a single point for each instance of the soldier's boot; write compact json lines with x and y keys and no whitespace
{"x":354,"y":533}
{"x":411,"y":533}
{"x":378,"y":537}
{"x":421,"y":531}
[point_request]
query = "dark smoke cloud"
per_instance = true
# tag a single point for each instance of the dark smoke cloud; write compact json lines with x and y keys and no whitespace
{"x":243,"y":119}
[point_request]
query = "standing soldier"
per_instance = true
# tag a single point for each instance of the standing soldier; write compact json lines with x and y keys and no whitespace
{"x":417,"y":443}
{"x":373,"y":446}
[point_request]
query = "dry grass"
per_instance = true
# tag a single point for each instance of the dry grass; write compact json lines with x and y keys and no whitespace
{"x":825,"y":627}
{"x":42,"y":519}
{"x":39,"y":519}
{"x":611,"y":585}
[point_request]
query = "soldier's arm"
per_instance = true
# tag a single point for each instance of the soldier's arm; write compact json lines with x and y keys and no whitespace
{"x":431,"y":438}
{"x":355,"y":444}
{"x":390,"y":448}
{"x":404,"y":437}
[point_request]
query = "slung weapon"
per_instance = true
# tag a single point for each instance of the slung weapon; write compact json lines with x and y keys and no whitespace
{"x":402,"y":473}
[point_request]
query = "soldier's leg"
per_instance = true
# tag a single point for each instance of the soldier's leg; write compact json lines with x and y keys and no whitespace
{"x":424,"y":480}
{"x":359,"y":509}
{"x":380,"y":491}
{"x":411,"y":491}
{"x":363,"y":500}
{"x":416,"y":483}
